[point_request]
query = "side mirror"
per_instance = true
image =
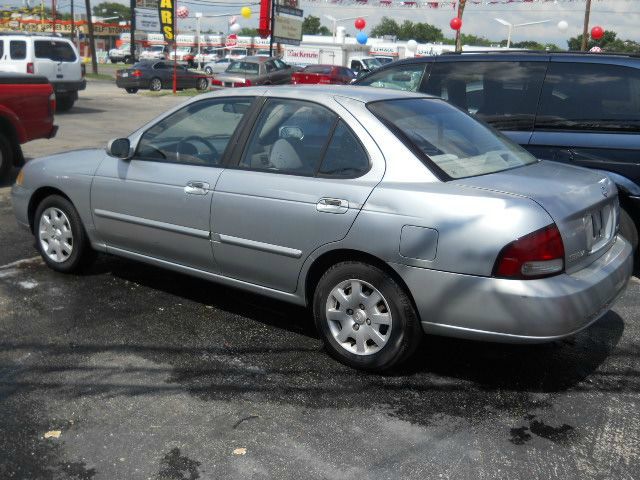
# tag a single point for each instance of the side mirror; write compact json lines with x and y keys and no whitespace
{"x":119,"y":148}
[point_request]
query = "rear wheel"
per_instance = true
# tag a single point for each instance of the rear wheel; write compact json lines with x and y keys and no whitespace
{"x":64,"y":103}
{"x":155,"y":85}
{"x":60,"y":235}
{"x":208,"y":70}
{"x":202,"y":84}
{"x":6,"y":156}
{"x":366,"y":319}
{"x":131,"y":90}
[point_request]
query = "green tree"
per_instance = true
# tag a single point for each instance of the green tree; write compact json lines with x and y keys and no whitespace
{"x":248,"y":32}
{"x":387,"y":26}
{"x":610,"y":43}
{"x":311,"y":26}
{"x":112,"y":9}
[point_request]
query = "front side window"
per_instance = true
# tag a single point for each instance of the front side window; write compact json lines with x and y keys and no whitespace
{"x":54,"y":50}
{"x":280,"y":64}
{"x":584,"y":96}
{"x":290,"y":136}
{"x":371,"y":63}
{"x":198,"y":134}
{"x":18,"y":49}
{"x":448,"y":139}
{"x":270,"y":66}
{"x":405,"y":77}
{"x":1,"y":48}
{"x":504,"y":94}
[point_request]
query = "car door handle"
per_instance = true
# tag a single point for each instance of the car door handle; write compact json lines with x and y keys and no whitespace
{"x":332,"y":205}
{"x":196,"y":188}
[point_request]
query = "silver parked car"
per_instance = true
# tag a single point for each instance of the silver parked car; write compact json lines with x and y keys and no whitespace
{"x":217,"y":66}
{"x":388,"y":213}
{"x":251,"y":71}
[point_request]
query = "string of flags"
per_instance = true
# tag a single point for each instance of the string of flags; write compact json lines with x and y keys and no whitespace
{"x":453,"y":4}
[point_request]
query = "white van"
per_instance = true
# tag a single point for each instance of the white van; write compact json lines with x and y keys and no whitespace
{"x":49,"y":56}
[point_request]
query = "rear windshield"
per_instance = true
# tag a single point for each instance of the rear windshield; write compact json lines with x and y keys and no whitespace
{"x":54,"y":50}
{"x":243,"y":67}
{"x":324,"y":69}
{"x":452,"y":141}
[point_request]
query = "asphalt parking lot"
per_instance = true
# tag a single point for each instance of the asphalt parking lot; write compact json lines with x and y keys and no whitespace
{"x":131,"y":372}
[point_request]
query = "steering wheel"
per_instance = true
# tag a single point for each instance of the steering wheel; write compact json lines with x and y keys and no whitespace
{"x":215,"y":156}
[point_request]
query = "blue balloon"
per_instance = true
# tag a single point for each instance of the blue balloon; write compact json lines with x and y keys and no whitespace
{"x":362,"y":38}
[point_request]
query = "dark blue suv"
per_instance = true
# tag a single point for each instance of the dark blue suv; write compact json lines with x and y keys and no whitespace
{"x":576,"y":108}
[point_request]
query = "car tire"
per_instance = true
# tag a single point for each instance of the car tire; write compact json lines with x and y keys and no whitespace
{"x":64,"y":103}
{"x":6,"y":156}
{"x":367,"y":343}
{"x":208,"y":71}
{"x":202,"y":84}
{"x":127,"y":60}
{"x":60,"y":235}
{"x":113,"y":60}
{"x":155,"y":85}
{"x":131,"y":90}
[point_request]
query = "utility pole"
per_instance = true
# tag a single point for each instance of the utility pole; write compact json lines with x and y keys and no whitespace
{"x":92,"y":43}
{"x":461,"y":5}
{"x":585,"y":29}
{"x":73,"y":25}
{"x":53,"y":14}
{"x":132,"y":29}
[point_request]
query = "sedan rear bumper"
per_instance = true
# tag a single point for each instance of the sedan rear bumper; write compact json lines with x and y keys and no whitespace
{"x":518,"y":311}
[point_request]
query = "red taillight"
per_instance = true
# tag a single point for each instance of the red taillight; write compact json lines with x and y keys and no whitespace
{"x":539,"y":254}
{"x":136,"y":73}
{"x":324,"y":79}
{"x":30,"y":68}
{"x":216,"y":82}
{"x":246,"y":83}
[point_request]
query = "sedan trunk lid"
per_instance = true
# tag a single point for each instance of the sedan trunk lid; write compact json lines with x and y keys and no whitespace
{"x":583,"y":204}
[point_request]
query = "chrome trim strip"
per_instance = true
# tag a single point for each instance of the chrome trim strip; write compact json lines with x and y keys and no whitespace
{"x":264,"y":247}
{"x":169,"y":227}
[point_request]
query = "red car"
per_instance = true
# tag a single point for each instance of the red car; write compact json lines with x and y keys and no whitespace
{"x":324,"y":74}
{"x":27,"y":105}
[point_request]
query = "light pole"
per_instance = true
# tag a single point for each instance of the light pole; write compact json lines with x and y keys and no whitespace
{"x":512,"y":26}
{"x":336,"y":20}
{"x":198,"y":19}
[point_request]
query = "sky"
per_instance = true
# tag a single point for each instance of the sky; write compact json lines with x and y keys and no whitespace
{"x":622,"y":16}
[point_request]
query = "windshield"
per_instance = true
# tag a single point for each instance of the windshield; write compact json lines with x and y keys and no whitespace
{"x":453,"y":141}
{"x":156,"y":48}
{"x":371,"y":63}
{"x":243,"y":67}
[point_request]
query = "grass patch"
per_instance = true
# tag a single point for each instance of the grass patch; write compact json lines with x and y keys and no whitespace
{"x":189,"y":92}
{"x":99,"y":76}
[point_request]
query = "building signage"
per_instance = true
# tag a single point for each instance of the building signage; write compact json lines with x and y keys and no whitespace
{"x":301,"y":55}
{"x":387,"y":50}
{"x":287,"y":30}
{"x":166,"y":11}
{"x":147,"y":20}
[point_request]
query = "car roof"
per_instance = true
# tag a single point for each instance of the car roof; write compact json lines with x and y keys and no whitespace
{"x":321,"y":92}
{"x":254,"y":59}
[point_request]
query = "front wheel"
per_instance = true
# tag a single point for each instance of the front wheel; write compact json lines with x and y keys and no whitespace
{"x":366,"y":319}
{"x":208,"y":71}
{"x":202,"y":84}
{"x":131,"y":90}
{"x":60,"y":235}
{"x":155,"y":85}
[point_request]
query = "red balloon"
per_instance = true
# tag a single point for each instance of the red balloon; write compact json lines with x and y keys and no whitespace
{"x":360,"y":23}
{"x":597,"y":32}
{"x":455,"y":23}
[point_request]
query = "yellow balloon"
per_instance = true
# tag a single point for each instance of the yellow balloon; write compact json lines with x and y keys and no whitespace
{"x":245,"y":12}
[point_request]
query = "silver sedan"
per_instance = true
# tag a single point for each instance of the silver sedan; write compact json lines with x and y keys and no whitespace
{"x":387,"y":213}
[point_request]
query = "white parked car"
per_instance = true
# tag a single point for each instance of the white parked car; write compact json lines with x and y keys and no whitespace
{"x":218,"y":66}
{"x":48,"y":56}
{"x":155,"y":52}
{"x":208,"y":55}
{"x":123,"y":53}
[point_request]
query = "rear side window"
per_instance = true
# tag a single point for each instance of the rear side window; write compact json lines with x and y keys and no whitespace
{"x":324,"y":69}
{"x":404,"y":77}
{"x":345,"y":157}
{"x":54,"y":50}
{"x":1,"y":48}
{"x":583,"y":96}
{"x":18,"y":49}
{"x":504,"y":94}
